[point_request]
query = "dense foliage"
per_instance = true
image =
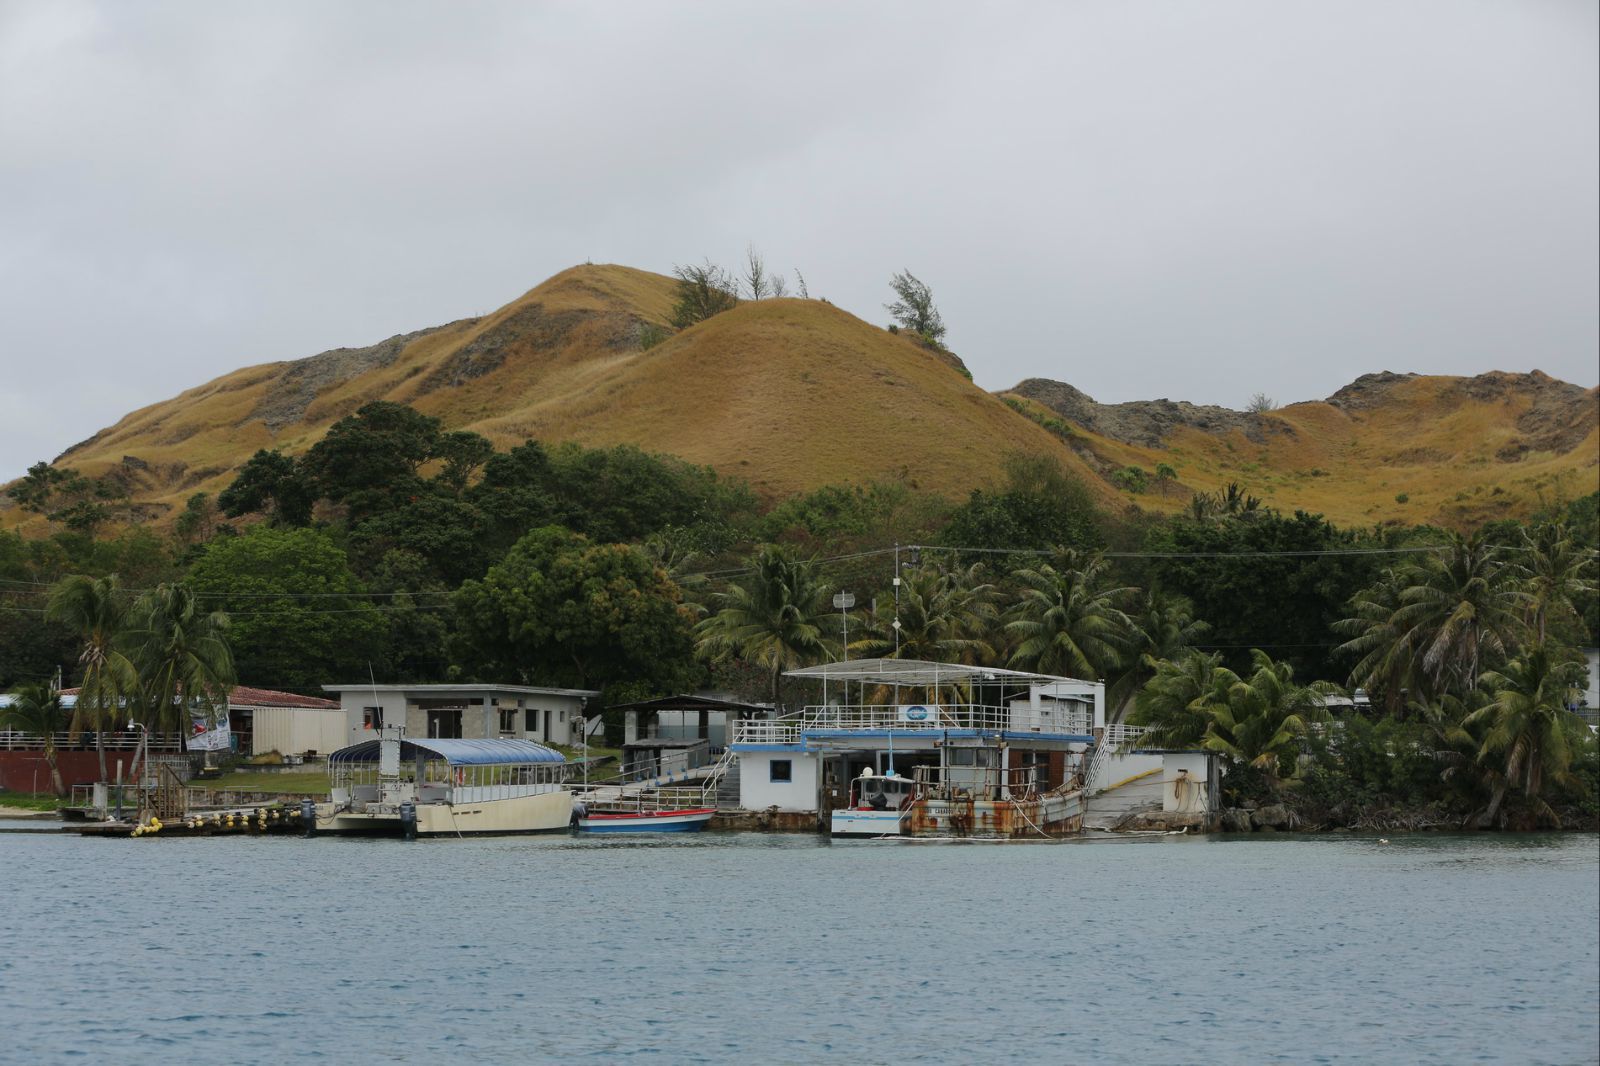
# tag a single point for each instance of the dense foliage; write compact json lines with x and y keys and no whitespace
{"x":397,"y":548}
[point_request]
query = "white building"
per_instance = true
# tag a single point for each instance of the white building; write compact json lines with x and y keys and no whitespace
{"x":526,"y":712}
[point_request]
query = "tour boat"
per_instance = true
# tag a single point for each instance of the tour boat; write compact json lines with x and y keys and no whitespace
{"x":419,"y":788}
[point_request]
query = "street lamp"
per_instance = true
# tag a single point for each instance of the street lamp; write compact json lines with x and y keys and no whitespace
{"x":844,"y":601}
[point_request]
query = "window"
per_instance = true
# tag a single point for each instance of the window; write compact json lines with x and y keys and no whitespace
{"x":508,"y":720}
{"x":781,"y":770}
{"x":530,"y":721}
{"x":372,"y":718}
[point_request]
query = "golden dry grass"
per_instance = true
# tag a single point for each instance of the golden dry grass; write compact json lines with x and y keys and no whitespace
{"x":794,"y":394}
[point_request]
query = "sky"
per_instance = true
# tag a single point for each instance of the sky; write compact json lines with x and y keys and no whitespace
{"x":1199,"y":201}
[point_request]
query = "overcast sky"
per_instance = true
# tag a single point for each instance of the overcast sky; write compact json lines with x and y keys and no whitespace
{"x":1192,"y":200}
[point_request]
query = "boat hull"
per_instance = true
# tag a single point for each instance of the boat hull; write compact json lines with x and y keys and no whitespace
{"x":866,"y":823}
{"x":544,"y":813}
{"x":681,"y":821}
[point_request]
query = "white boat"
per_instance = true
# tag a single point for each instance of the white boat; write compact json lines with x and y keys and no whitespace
{"x":878,"y":806}
{"x":419,"y":788}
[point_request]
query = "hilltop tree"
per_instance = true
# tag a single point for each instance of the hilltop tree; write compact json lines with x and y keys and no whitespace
{"x":914,"y":309}
{"x":270,"y":483}
{"x":703,"y":290}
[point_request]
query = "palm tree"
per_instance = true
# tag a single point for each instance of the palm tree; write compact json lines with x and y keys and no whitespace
{"x":1070,"y":620}
{"x":183,"y":657}
{"x":945,"y":616}
{"x":95,"y":610}
{"x":775,"y":617}
{"x":1527,"y":730}
{"x":1557,"y":573}
{"x":1463,"y":612}
{"x":1264,"y":719}
{"x":1435,"y":625}
{"x":36,"y":708}
{"x":1177,"y":703}
{"x":1165,"y":628}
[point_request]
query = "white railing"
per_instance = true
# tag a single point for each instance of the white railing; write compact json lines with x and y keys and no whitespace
{"x":1023,"y":719}
{"x":778,"y":731}
{"x":1120,"y":733}
{"x":12,"y":740}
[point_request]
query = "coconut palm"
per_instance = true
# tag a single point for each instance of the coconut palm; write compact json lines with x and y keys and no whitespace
{"x":1070,"y":619}
{"x":1557,"y":573}
{"x":945,"y":616}
{"x":1263,"y":720}
{"x":36,"y":708}
{"x":1527,"y":731}
{"x":96,"y":611}
{"x":1463,"y":612}
{"x":1165,"y":628}
{"x":775,"y":617}
{"x":1437,"y":624}
{"x":1177,"y":703}
{"x":183,"y":657}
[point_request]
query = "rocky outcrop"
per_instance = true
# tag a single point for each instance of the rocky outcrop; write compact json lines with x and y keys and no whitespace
{"x":1146,"y":422}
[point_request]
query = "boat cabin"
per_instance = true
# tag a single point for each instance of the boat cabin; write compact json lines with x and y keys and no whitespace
{"x":393,"y":771}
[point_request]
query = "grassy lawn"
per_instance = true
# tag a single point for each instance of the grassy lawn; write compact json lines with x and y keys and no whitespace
{"x":42,"y":801}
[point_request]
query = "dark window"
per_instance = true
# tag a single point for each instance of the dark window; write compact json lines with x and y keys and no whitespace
{"x":508,"y":720}
{"x":444,"y":724}
{"x":782,"y":770}
{"x":530,"y":721}
{"x":372,"y":718}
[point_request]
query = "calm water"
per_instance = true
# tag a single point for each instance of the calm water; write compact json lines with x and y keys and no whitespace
{"x":750,"y":948}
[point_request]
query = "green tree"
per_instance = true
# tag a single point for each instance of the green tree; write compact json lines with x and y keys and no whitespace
{"x":1177,"y":703}
{"x":1528,"y":733}
{"x":913,"y":308}
{"x":1557,"y":574}
{"x":946,"y":615}
{"x":704,"y":290}
{"x":1040,"y":506}
{"x":775,"y":617}
{"x":372,"y":459}
{"x":1164,"y":628}
{"x":273,"y":484}
{"x":96,"y":611}
{"x":299,"y":617}
{"x":183,"y":658}
{"x":36,"y":708}
{"x":1070,"y":618}
{"x":1264,"y":720}
{"x":561,"y":610}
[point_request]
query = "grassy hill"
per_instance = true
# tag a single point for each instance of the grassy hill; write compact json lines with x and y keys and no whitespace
{"x":1452,"y":451}
{"x":787,"y":394}
{"x":794,"y":394}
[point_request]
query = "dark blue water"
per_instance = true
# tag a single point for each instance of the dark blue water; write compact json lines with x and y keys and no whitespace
{"x":749,"y":948}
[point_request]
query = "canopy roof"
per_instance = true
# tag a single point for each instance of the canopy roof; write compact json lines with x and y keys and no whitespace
{"x":689,"y":703}
{"x":499,"y":752}
{"x":918,"y":672}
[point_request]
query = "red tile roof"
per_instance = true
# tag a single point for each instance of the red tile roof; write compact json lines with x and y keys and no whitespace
{"x":244,"y":696}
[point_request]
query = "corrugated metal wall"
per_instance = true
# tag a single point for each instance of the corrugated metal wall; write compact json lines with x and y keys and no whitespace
{"x":297,"y":730}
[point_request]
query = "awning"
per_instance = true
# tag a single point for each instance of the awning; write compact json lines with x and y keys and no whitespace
{"x":918,"y":672}
{"x":498,"y":752}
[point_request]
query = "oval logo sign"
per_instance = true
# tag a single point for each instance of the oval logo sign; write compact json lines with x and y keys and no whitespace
{"x":916,"y":714}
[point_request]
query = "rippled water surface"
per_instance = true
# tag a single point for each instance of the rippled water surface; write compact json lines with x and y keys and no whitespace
{"x":751,"y":948}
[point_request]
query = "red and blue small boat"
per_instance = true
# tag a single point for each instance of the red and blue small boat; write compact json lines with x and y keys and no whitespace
{"x":678,"y":820}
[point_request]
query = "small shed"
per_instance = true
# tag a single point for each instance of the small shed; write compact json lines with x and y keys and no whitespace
{"x":266,"y":720}
{"x":687,"y":717}
{"x":661,"y":756}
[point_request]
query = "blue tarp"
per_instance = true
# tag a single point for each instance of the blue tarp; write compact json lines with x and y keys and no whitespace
{"x":457,"y":752}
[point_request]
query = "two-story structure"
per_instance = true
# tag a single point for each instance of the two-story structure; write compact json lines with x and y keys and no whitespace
{"x":466,"y":712}
{"x":980,"y":750}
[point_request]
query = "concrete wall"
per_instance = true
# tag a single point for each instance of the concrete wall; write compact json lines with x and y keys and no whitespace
{"x":1120,"y":766}
{"x":757,"y":791}
{"x":297,"y":730}
{"x":1196,"y":794}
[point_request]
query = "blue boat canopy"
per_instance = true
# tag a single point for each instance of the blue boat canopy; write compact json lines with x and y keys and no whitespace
{"x":499,"y":752}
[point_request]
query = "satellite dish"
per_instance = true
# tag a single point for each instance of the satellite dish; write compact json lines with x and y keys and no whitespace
{"x":844,"y":600}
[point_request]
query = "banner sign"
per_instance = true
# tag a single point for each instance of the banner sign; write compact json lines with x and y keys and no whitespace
{"x":919,"y":713}
{"x":208,"y":735}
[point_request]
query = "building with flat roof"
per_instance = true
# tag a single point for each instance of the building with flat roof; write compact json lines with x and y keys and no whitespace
{"x":466,"y":711}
